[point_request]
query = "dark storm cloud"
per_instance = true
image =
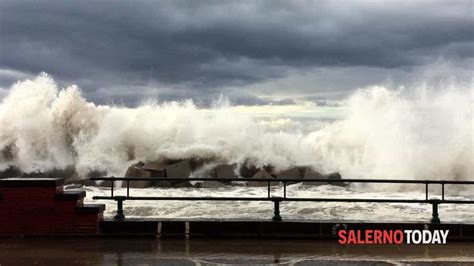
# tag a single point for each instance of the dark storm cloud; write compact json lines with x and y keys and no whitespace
{"x":196,"y":48}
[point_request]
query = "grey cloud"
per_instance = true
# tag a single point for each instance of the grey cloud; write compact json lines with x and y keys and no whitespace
{"x":137,"y":96}
{"x":195,"y":49}
{"x":8,"y":77}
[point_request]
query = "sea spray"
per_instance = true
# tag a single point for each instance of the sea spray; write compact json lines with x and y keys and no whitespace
{"x":385,"y":133}
{"x":399,"y":134}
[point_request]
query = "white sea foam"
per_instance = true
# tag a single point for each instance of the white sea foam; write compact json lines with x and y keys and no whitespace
{"x":385,"y":133}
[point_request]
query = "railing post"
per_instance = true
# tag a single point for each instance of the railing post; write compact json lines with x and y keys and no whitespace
{"x":128,"y":188}
{"x":442,"y":191}
{"x":119,"y":215}
{"x":268,"y":189}
{"x":435,"y":217}
{"x":276,"y":210}
{"x":112,"y":185}
{"x":426,"y":191}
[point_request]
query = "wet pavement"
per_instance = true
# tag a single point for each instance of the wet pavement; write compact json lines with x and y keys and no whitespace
{"x":142,"y":251}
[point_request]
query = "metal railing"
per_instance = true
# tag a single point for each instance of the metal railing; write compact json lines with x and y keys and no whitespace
{"x":285,"y":182}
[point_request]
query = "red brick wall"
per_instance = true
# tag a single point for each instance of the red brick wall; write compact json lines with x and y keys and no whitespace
{"x":37,"y":211}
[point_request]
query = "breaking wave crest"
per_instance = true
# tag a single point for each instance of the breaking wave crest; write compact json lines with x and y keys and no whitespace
{"x":385,"y":134}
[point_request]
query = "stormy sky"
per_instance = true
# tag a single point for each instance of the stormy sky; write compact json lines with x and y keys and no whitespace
{"x":253,"y":52}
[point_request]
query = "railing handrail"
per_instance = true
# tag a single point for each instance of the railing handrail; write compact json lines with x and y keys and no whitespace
{"x":286,"y":181}
{"x":287,"y":199}
{"x":244,"y":179}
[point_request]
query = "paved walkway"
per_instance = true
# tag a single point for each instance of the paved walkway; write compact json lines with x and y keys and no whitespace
{"x":115,"y":251}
